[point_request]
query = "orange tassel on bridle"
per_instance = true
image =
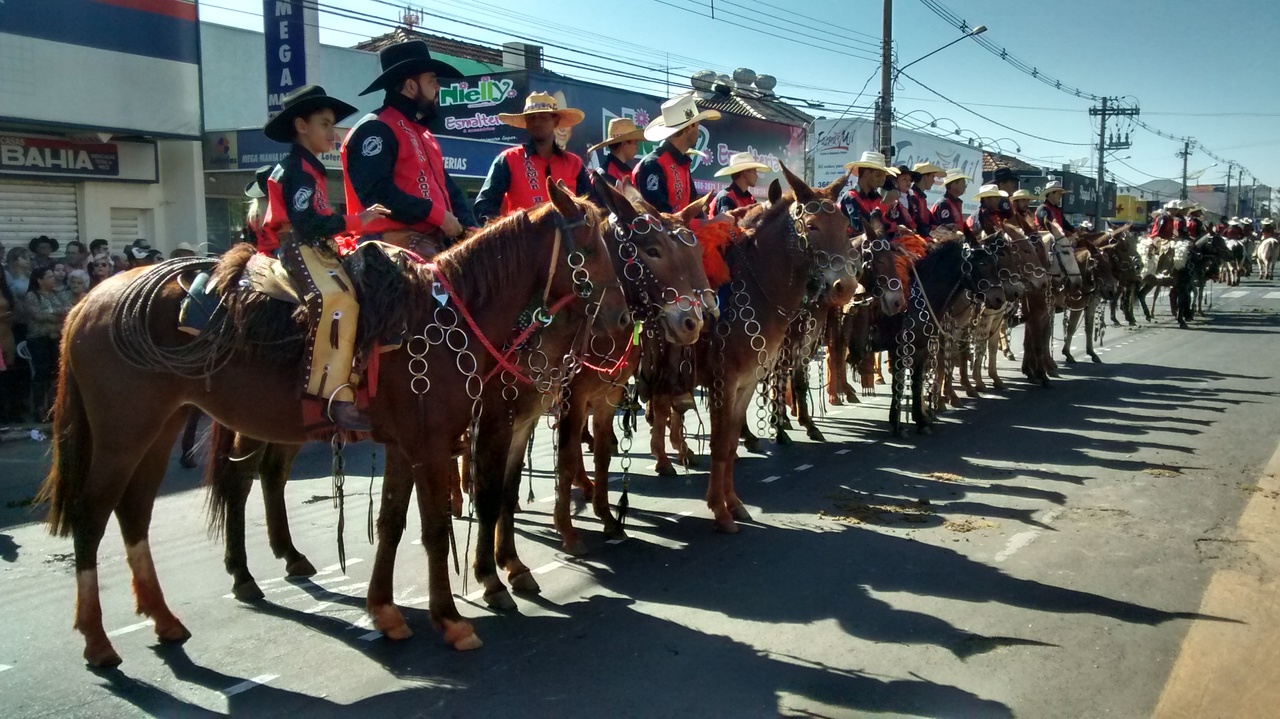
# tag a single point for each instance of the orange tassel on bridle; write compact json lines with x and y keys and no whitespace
{"x":715,"y":238}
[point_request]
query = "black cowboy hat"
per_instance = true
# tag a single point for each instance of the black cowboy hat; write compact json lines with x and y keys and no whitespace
{"x":300,"y":103}
{"x":403,"y":59}
{"x":37,"y":241}
{"x":258,"y":186}
{"x":1003,"y":174}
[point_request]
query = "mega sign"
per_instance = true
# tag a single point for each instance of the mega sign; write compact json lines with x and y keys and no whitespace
{"x":291,"y":30}
{"x":51,"y":156}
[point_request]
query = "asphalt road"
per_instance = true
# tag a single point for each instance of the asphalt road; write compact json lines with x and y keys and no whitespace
{"x":1046,"y":553}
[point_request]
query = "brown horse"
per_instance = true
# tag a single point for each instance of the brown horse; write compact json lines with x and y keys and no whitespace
{"x":1022,"y":271}
{"x":667,"y":288}
{"x":1037,"y":308}
{"x":119,"y":345}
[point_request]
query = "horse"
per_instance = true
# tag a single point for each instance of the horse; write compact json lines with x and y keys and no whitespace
{"x":1127,"y":264}
{"x":1021,"y":271}
{"x":1098,"y":285}
{"x":952,"y":275}
{"x":885,"y":277}
{"x":1037,"y":309}
{"x":122,"y":342}
{"x":667,"y":288}
{"x":1267,"y":253}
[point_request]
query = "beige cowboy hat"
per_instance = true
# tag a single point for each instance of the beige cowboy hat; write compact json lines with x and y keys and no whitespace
{"x":185,"y":246}
{"x":677,"y":114}
{"x":1053,"y":186}
{"x":871,"y":160}
{"x":1022,"y":195}
{"x":989,"y":191}
{"x":540,"y":102}
{"x":1268,"y":221}
{"x":740,"y":161}
{"x":621,"y":129}
{"x":953,"y":175}
{"x":925,"y":168}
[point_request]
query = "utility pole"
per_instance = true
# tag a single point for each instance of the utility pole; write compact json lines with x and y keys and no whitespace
{"x":1226,"y":201}
{"x":885,"y":137}
{"x":1186,"y":153}
{"x":1115,"y":142}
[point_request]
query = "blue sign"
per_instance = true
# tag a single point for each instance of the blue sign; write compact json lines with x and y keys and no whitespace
{"x":288,"y":38}
{"x":465,"y":157}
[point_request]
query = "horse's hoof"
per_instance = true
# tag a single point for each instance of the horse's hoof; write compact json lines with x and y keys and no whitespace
{"x":752,"y":445}
{"x":665,"y":469}
{"x":816,"y":435}
{"x":500,"y":599}
{"x":524,"y":582}
{"x":972,"y":393}
{"x":102,"y":657}
{"x":173,"y":634}
{"x":784,"y":439}
{"x":575,"y":547}
{"x":247,"y":591}
{"x":300,"y":567}
{"x":1069,"y":358}
{"x":834,"y":401}
{"x":614,"y":530}
{"x":1096,"y":359}
{"x":740,"y":513}
{"x":726,"y":525}
{"x":461,"y":636}
{"x":388,"y":620}
{"x":924,"y":429}
{"x":997,"y":386}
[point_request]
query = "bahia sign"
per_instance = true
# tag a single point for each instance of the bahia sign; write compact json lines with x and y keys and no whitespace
{"x":52,"y":156}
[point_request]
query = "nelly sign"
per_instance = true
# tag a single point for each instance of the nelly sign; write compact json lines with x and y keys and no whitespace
{"x":291,"y":30}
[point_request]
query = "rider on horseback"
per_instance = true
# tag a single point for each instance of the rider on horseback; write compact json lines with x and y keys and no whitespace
{"x":923,"y":175}
{"x":664,"y":176}
{"x":743,"y":172}
{"x":1050,"y":211}
{"x":861,"y":200}
{"x":301,"y":223}
{"x":621,"y":144}
{"x":950,"y":209}
{"x":988,"y":218}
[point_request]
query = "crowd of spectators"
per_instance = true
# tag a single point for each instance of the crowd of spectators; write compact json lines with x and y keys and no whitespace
{"x":38,"y":287}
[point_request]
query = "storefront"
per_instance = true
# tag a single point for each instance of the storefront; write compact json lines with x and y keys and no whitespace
{"x":87,"y":155}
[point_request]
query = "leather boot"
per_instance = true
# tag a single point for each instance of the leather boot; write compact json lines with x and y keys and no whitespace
{"x":348,"y":417}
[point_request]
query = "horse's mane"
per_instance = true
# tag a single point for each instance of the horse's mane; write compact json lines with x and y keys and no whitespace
{"x":913,"y":248}
{"x":760,"y":215}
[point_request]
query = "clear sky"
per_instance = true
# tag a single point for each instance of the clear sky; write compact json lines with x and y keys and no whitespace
{"x":1195,"y":68}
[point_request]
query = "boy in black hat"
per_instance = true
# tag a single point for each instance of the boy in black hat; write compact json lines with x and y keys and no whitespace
{"x":391,"y":158}
{"x":42,"y":249}
{"x":300,"y":221}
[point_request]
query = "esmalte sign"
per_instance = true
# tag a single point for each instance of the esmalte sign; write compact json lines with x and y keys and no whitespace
{"x":22,"y":155}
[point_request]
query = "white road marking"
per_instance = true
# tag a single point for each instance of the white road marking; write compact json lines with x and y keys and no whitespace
{"x":620,"y":540}
{"x":477,"y":594}
{"x":803,"y":467}
{"x":335,"y":567}
{"x":131,"y":628}
{"x":1234,"y":294}
{"x":677,"y":517}
{"x":375,"y":634}
{"x":771,"y":478}
{"x":248,"y":684}
{"x":549,"y":566}
{"x":842,"y":451}
{"x":5,"y":667}
{"x":1022,"y":539}
{"x":1271,"y":296}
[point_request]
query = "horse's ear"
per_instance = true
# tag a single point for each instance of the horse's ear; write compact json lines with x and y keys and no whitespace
{"x":695,"y":209}
{"x":775,"y":191}
{"x":562,"y":198}
{"x":835,"y":188}
{"x":804,"y":193}
{"x":614,"y":201}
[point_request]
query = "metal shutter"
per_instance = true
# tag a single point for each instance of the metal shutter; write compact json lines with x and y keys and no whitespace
{"x":126,"y":226}
{"x":31,"y":209}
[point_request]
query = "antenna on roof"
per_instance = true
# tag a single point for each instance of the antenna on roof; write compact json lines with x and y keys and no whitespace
{"x":409,"y":18}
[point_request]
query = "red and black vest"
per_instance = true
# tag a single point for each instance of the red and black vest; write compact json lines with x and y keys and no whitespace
{"x":614,"y":169}
{"x":899,"y":216}
{"x":678,"y":175}
{"x":918,"y":203}
{"x":277,"y":217}
{"x":954,"y":206}
{"x":1054,"y":214}
{"x":731,"y":198}
{"x":986,"y":219}
{"x":1180,"y":226}
{"x":531,"y":173}
{"x":419,"y":172}
{"x":1163,"y":227}
{"x":1195,"y":227}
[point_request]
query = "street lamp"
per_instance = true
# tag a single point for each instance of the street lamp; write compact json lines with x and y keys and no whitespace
{"x":888,"y":75}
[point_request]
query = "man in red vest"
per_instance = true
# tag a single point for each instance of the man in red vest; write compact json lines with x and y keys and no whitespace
{"x":923,"y":175}
{"x":390,"y":158}
{"x":950,"y":209}
{"x":862,"y":199}
{"x":621,"y":145}
{"x":663,"y":177}
{"x":519,"y":176}
{"x":743,"y":172}
{"x":1050,"y":211}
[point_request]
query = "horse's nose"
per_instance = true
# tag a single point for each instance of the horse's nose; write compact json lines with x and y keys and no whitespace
{"x":839,"y":287}
{"x":690,"y":324}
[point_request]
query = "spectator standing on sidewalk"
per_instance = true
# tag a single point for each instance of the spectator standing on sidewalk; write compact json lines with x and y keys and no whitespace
{"x":77,"y":285}
{"x":8,"y":312}
{"x":45,"y":309}
{"x":99,"y":270}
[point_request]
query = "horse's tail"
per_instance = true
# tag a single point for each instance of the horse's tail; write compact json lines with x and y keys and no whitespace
{"x":217,"y":477}
{"x":72,"y":451}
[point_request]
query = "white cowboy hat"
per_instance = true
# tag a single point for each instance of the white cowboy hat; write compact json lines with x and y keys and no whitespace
{"x":741,"y":161}
{"x":1268,"y":221}
{"x":540,"y":102}
{"x":871,"y":160}
{"x":1233,"y":222}
{"x":953,"y":175}
{"x":1053,"y":186}
{"x":621,"y":129}
{"x":1022,"y":195}
{"x":989,"y":191}
{"x":1247,"y":220}
{"x":185,"y":246}
{"x":677,"y":114}
{"x":925,"y":168}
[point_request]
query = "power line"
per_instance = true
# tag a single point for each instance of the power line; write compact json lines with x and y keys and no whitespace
{"x":994,"y":122}
{"x":836,"y":49}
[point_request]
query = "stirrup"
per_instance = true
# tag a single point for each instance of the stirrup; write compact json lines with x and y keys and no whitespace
{"x":328,"y":405}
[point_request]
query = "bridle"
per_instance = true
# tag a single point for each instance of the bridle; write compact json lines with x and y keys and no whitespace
{"x":648,"y":297}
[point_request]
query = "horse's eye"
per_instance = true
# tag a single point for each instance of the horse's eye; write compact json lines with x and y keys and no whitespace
{"x":653,"y":252}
